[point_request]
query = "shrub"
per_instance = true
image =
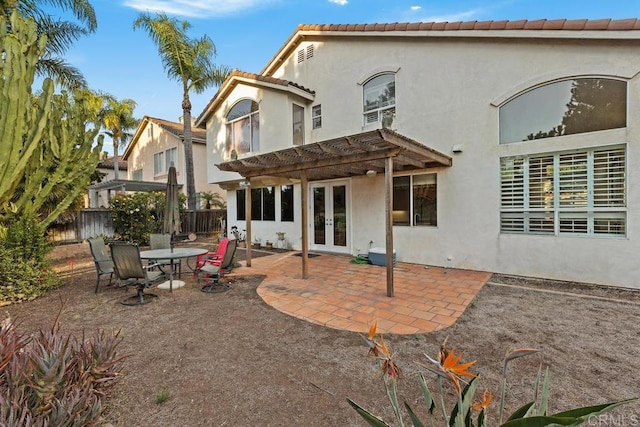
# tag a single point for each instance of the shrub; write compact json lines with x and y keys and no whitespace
{"x":26,"y":240}
{"x":24,"y":271}
{"x":55,"y":380}
{"x":21,"y":280}
{"x":137,"y":215}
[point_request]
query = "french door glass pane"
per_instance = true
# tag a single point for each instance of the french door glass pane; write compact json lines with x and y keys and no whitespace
{"x":319,"y":215}
{"x":340,"y":215}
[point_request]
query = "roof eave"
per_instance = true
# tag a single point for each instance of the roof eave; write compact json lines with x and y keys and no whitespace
{"x":230,"y":84}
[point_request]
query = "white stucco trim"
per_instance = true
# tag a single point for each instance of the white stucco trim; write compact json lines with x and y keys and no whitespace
{"x":377,"y":71}
{"x":616,"y":73}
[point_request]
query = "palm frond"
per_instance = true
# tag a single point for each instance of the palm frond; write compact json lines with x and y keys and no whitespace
{"x":60,"y":34}
{"x":61,"y":72}
{"x":81,"y":9}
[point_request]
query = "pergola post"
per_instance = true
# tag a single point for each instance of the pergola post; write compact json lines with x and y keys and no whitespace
{"x":248,"y":217}
{"x":305,"y":226}
{"x":388,"y":198}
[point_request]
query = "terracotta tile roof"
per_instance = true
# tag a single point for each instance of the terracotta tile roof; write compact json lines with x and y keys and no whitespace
{"x":268,"y":79}
{"x":108,"y":163}
{"x":198,"y":135}
{"x":524,"y":24}
{"x":225,"y":87}
{"x":631,"y":24}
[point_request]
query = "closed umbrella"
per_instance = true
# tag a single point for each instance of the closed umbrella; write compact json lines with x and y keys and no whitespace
{"x":171,"y":221}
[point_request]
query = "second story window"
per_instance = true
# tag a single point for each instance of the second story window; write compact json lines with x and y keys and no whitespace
{"x":298,"y":125}
{"x":379,"y":99}
{"x":243,"y":128}
{"x":162,"y":160}
{"x":316,"y":116}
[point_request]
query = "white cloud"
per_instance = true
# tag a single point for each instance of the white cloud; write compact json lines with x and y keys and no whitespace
{"x":416,"y":7}
{"x":340,"y":2}
{"x":195,"y":8}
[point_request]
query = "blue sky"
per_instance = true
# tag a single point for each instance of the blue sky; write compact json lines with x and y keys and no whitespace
{"x":247,"y":33}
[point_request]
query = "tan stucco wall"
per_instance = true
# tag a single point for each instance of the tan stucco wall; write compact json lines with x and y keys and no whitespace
{"x":141,"y":157}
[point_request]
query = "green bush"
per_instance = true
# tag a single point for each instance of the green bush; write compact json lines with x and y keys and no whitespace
{"x":22,"y":280}
{"x":137,"y":215}
{"x":24,"y":271}
{"x":55,"y":380}
{"x":25,"y":238}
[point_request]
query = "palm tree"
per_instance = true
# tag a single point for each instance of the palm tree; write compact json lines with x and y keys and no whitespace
{"x":117,"y":118}
{"x":190,"y":62}
{"x":60,"y":34}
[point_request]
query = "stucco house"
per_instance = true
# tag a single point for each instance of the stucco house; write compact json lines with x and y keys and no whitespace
{"x":504,"y":146}
{"x":156,"y":144}
{"x":99,"y":198}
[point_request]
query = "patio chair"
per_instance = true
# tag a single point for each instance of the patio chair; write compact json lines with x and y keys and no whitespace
{"x":216,"y":255}
{"x":128,"y":267}
{"x":101,"y":258}
{"x":214,"y":270}
{"x":163,"y":241}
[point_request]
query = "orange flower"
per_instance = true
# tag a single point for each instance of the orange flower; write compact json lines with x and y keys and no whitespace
{"x":447,"y":366}
{"x":487,"y":397}
{"x":450,"y":364}
{"x":379,"y":349}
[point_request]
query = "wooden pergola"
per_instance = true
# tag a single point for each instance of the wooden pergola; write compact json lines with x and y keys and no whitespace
{"x":380,"y":150}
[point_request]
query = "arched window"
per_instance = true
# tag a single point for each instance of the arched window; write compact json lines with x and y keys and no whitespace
{"x":243,"y":128}
{"x":564,"y":108}
{"x":379,"y":99}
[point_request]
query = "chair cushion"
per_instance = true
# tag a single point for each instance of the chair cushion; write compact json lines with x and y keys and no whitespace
{"x":153,"y":275}
{"x":210,"y":269}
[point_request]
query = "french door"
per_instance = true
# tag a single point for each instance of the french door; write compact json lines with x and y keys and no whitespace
{"x":329,"y":215}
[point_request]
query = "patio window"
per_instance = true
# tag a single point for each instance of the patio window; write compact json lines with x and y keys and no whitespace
{"x":241,"y":203}
{"x":243,"y":128}
{"x":286,"y":203}
{"x":564,"y":108}
{"x":415,"y":200}
{"x":137,"y":175}
{"x":298,"y":125}
{"x":579,"y":192}
{"x":163,"y":159}
{"x":379,"y":100}
{"x":316,"y":116}
{"x":263,"y":204}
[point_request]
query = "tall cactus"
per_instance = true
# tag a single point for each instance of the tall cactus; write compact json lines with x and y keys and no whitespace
{"x":22,"y":121}
{"x":47,"y":141}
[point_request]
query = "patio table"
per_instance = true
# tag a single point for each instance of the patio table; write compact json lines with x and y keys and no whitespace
{"x":172,"y":254}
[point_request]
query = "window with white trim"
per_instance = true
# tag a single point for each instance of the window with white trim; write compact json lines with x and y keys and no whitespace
{"x":415,"y":200}
{"x":298,"y":124}
{"x":163,"y":159}
{"x":263,"y":204}
{"x":243,"y":128}
{"x":566,"y":107}
{"x":580,"y":192}
{"x":316,"y":116}
{"x":379,"y":99}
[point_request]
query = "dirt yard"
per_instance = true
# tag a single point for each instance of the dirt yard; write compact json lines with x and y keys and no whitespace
{"x":229,"y":359}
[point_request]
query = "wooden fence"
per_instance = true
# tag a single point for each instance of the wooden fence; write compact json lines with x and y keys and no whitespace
{"x":97,"y":222}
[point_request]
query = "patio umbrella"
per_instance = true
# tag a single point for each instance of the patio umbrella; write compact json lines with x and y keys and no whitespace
{"x":171,"y":220}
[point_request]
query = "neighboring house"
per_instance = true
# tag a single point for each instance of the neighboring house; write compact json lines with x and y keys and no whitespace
{"x":99,"y":198}
{"x":513,"y":145}
{"x":156,"y":144}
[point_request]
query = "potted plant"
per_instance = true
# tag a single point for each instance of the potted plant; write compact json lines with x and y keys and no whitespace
{"x":212,"y":199}
{"x":256,"y":243}
{"x":239,"y":236}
